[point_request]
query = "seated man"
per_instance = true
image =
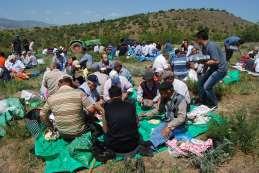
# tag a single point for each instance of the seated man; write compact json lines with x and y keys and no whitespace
{"x":122,"y":71}
{"x":89,"y":87}
{"x":119,"y":81}
{"x":120,"y":123}
{"x":161,"y":61}
{"x":105,"y":63}
{"x":16,"y":67}
{"x":179,"y":86}
{"x":148,"y":94}
{"x":70,"y":107}
{"x":174,"y":107}
{"x":31,"y":60}
{"x":50,"y":79}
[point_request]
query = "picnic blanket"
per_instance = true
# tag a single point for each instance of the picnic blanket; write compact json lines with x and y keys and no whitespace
{"x":61,"y":156}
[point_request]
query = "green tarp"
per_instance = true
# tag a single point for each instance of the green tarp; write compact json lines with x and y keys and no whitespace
{"x":61,"y":156}
{"x":14,"y":109}
{"x":232,"y":77}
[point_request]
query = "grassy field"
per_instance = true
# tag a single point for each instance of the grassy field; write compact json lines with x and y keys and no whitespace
{"x":237,"y":139}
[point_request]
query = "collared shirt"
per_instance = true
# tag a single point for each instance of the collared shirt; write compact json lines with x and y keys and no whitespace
{"x":50,"y":80}
{"x":125,"y":86}
{"x":18,"y":66}
{"x":108,"y":66}
{"x":180,"y":117}
{"x":124,"y":72}
{"x":90,"y":93}
{"x":181,"y":88}
{"x":140,"y":92}
{"x":160,"y":63}
{"x":68,"y":106}
{"x":215,"y":53}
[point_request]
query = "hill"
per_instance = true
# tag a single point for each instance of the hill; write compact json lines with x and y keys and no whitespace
{"x":173,"y":25}
{"x":14,"y":24}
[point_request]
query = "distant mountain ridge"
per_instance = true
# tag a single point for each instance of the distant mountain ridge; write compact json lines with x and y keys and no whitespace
{"x":15,"y":24}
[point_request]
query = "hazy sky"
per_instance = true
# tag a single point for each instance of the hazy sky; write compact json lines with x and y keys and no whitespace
{"x":78,"y":11}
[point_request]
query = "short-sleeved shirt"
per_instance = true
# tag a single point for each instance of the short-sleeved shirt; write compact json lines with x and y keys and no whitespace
{"x":215,"y":53}
{"x":68,"y":106}
{"x":121,"y":119}
{"x":50,"y":80}
{"x":232,"y":41}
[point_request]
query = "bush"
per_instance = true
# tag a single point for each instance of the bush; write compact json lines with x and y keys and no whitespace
{"x":243,"y":131}
{"x":212,"y":158}
{"x":239,"y":130}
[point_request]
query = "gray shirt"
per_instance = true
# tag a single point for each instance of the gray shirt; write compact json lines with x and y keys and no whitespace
{"x":215,"y":53}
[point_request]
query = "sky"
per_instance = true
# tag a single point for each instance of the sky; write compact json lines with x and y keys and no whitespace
{"x":61,"y":12}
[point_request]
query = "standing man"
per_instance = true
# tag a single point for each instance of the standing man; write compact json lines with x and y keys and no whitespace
{"x":87,"y":60}
{"x":17,"y":45}
{"x":217,"y":68}
{"x":232,"y":44}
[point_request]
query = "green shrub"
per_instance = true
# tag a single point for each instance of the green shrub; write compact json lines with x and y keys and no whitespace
{"x":212,"y":158}
{"x":243,"y":131}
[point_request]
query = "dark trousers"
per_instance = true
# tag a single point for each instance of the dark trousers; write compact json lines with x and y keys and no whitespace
{"x":229,"y":53}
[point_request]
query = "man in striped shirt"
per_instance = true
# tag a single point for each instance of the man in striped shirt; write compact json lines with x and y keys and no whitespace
{"x":70,"y":107}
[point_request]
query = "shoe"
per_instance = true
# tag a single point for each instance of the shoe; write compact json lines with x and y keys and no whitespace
{"x":146,"y":151}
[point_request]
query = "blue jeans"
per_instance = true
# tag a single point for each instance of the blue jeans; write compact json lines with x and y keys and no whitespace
{"x":206,"y":83}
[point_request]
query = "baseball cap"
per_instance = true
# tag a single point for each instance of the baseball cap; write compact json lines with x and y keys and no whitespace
{"x":93,"y":78}
{"x":167,"y":74}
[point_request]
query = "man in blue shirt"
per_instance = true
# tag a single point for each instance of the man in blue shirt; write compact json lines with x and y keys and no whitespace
{"x":122,"y":71}
{"x":232,"y":44}
{"x":217,"y":68}
{"x":87,"y":60}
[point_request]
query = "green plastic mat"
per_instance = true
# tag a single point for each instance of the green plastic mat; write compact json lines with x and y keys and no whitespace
{"x":14,"y":109}
{"x":232,"y":77}
{"x":61,"y":156}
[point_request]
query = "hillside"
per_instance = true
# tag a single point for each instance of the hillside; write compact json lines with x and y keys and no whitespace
{"x":172,"y":25}
{"x":14,"y":24}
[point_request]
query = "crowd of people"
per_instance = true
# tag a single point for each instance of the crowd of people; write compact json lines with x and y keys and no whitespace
{"x":78,"y":92}
{"x":22,"y":58}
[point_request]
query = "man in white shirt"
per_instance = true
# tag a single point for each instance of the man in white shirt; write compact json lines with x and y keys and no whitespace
{"x":117,"y":80}
{"x":179,"y":86}
{"x":31,"y":59}
{"x":161,"y":61}
{"x":14,"y":65}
